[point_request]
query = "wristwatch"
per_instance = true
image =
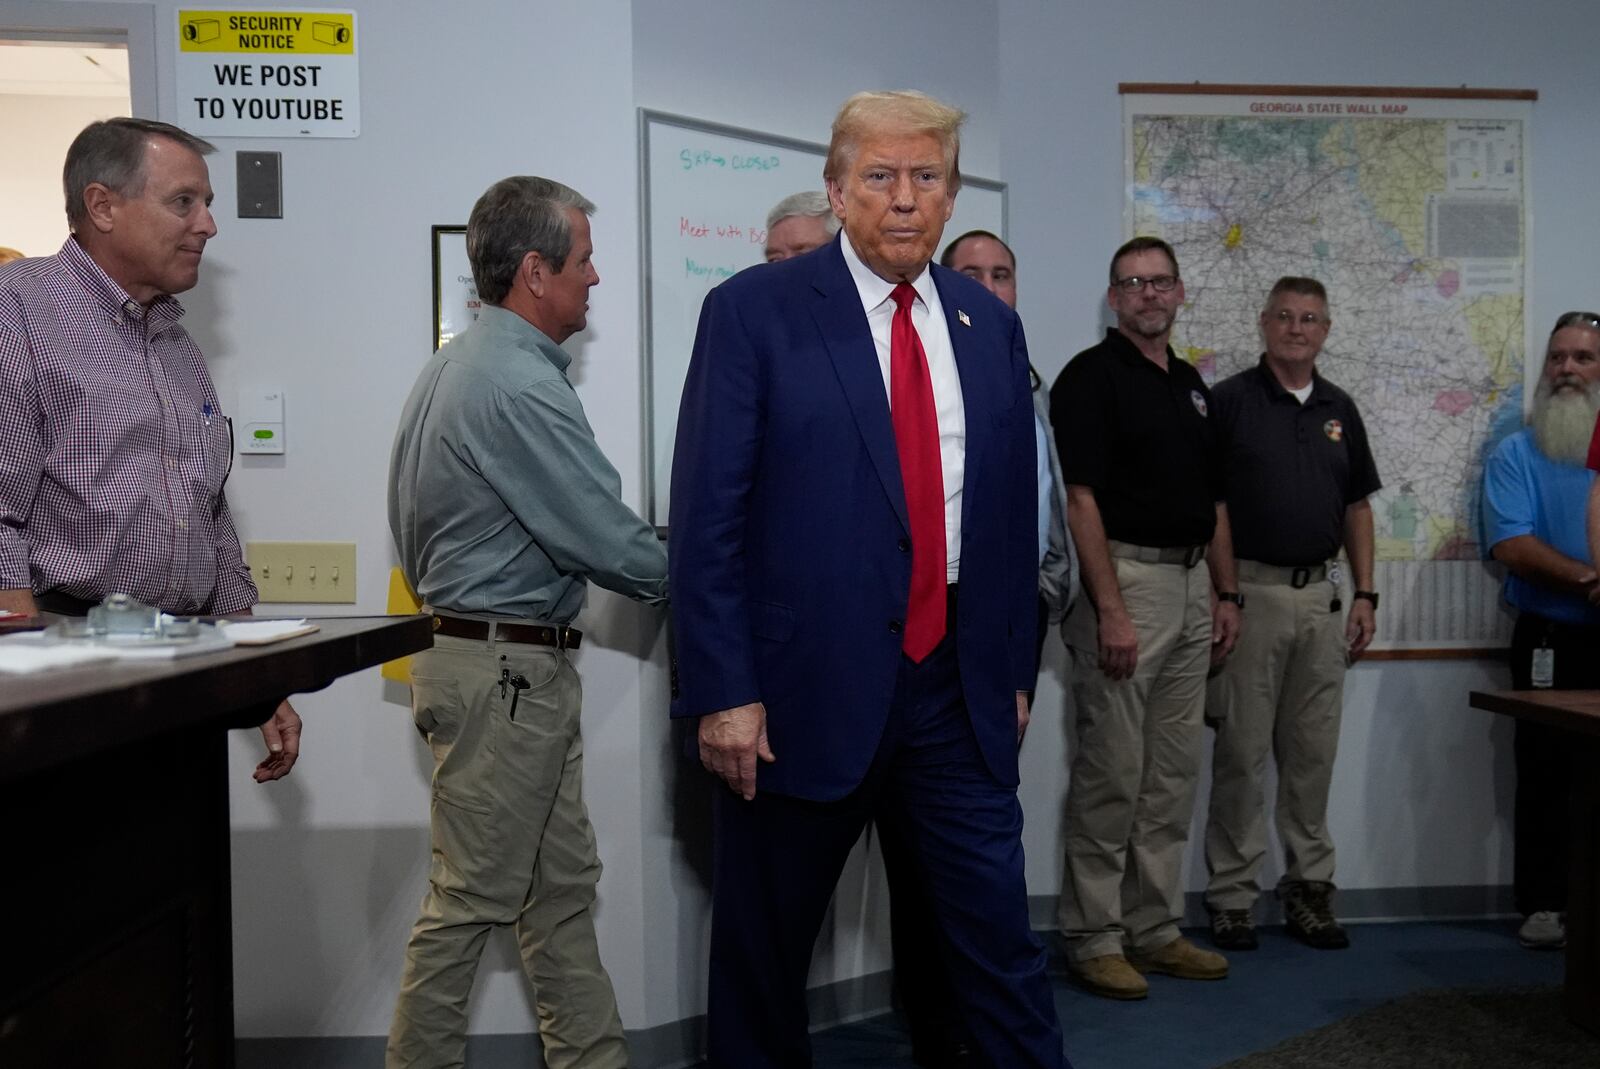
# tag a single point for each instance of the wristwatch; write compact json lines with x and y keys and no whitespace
{"x":1368,"y":595}
{"x":1231,"y":595}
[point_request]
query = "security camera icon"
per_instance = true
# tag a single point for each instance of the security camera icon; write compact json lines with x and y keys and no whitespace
{"x":330,"y":33}
{"x":199,"y":31}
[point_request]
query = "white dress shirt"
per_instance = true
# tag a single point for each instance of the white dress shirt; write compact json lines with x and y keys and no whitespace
{"x":927,"y":315}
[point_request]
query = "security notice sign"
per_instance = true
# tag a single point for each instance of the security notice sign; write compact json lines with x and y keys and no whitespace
{"x":268,"y":73}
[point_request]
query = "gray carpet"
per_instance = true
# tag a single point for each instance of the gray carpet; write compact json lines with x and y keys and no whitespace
{"x":1504,"y":1028}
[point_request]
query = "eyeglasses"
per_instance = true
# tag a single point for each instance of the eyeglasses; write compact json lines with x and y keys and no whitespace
{"x":1135,"y":283}
{"x":1577,"y":319}
{"x":1283,"y":317}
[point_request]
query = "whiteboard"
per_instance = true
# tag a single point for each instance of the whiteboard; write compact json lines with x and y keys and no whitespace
{"x":705,"y":190}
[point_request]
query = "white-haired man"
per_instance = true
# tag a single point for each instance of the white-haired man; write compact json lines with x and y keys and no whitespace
{"x":1535,"y":492}
{"x":799,"y":223}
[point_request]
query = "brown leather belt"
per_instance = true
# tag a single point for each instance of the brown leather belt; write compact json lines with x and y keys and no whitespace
{"x":562,"y":638}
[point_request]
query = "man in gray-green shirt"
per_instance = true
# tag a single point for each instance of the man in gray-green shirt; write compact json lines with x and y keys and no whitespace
{"x":503,"y":508}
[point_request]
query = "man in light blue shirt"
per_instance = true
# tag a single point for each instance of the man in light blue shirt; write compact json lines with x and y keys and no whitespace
{"x":1535,"y":491}
{"x":986,"y":259}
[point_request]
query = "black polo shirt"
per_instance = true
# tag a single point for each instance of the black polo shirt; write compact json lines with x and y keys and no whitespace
{"x":1291,"y":469}
{"x":1144,"y":440}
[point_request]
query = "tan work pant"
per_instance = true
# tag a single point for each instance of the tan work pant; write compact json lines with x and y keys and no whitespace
{"x":1281,"y":691}
{"x":512,"y":844}
{"x":1138,"y":754}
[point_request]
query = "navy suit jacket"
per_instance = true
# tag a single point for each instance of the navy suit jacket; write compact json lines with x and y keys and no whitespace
{"x":789,"y":545}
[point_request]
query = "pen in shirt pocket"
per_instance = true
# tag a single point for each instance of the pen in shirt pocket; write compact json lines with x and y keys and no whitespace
{"x":206,"y":411}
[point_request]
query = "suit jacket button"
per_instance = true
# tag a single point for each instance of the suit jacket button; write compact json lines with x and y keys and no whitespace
{"x":905,"y":545}
{"x":896,"y":626}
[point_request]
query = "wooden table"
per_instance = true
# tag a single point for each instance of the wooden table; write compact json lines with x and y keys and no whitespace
{"x":114,"y":882}
{"x":1576,"y":712}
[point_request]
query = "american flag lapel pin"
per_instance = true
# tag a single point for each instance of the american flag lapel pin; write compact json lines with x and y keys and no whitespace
{"x":963,"y":317}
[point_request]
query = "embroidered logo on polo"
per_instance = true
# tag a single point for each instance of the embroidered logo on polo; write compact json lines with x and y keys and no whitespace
{"x":1334,"y":430}
{"x":1199,"y":401}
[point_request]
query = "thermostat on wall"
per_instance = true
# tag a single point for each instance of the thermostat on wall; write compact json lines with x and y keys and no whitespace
{"x":260,"y":421}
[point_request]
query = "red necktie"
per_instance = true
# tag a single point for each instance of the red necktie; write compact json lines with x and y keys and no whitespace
{"x":916,"y":439}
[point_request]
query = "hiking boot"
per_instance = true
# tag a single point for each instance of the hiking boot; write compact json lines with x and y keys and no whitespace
{"x":1233,"y":929}
{"x":1110,"y":975}
{"x":1182,"y":959}
{"x":1309,"y":917}
{"x":1543,"y":930}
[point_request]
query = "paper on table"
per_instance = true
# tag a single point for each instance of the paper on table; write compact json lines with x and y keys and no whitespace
{"x":26,"y":649}
{"x":262,"y":632}
{"x":20,"y":655}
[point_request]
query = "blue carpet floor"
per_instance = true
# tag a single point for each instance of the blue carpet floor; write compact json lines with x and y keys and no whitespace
{"x":1278,"y":991}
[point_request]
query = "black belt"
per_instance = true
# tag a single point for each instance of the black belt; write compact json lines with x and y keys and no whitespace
{"x":562,"y":638}
{"x":1297,"y":576}
{"x":63,"y":604}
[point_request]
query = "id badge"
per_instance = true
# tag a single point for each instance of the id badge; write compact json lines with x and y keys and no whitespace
{"x":1544,"y":667}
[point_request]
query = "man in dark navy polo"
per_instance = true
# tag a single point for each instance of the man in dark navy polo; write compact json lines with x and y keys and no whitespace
{"x":1298,"y":472}
{"x":1134,"y":428}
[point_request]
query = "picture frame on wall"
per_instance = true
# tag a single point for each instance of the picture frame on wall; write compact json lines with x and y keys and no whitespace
{"x":455,"y":296}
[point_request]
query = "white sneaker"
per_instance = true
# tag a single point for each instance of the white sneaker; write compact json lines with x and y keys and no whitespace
{"x":1544,"y":930}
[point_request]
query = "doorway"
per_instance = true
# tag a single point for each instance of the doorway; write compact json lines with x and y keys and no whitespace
{"x":62,"y":66}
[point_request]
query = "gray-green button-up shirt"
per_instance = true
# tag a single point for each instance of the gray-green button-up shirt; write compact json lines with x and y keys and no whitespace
{"x":500,"y":501}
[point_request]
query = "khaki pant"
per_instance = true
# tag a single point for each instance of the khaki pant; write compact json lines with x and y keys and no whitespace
{"x":512,"y":845}
{"x":1280,"y":692}
{"x":1138,"y":753}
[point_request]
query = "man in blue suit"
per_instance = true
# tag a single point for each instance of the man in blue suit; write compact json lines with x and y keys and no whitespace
{"x":854,"y":567}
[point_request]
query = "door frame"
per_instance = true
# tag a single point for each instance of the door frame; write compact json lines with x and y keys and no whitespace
{"x":133,"y":25}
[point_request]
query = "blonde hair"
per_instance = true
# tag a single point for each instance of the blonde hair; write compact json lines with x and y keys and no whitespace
{"x":901,"y":111}
{"x":7,"y":254}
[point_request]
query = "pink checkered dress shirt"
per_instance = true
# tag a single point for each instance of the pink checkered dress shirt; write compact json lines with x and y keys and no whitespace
{"x":113,"y":448}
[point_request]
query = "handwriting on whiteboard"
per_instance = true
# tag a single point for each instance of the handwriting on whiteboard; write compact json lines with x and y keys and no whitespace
{"x":691,"y":159}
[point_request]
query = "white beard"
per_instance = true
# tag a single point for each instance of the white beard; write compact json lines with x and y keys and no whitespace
{"x":1564,"y":422}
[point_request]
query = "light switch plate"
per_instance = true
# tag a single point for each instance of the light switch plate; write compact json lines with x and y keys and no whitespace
{"x":303,"y":571}
{"x":260,"y":184}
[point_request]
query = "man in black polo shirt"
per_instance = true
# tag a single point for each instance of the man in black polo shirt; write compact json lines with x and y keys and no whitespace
{"x":1135,"y":431}
{"x":1298,"y":475}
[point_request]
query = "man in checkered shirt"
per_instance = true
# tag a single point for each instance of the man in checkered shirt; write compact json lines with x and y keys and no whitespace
{"x":113,"y":448}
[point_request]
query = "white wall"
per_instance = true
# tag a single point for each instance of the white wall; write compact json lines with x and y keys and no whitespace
{"x":332,"y":304}
{"x":37,"y":131}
